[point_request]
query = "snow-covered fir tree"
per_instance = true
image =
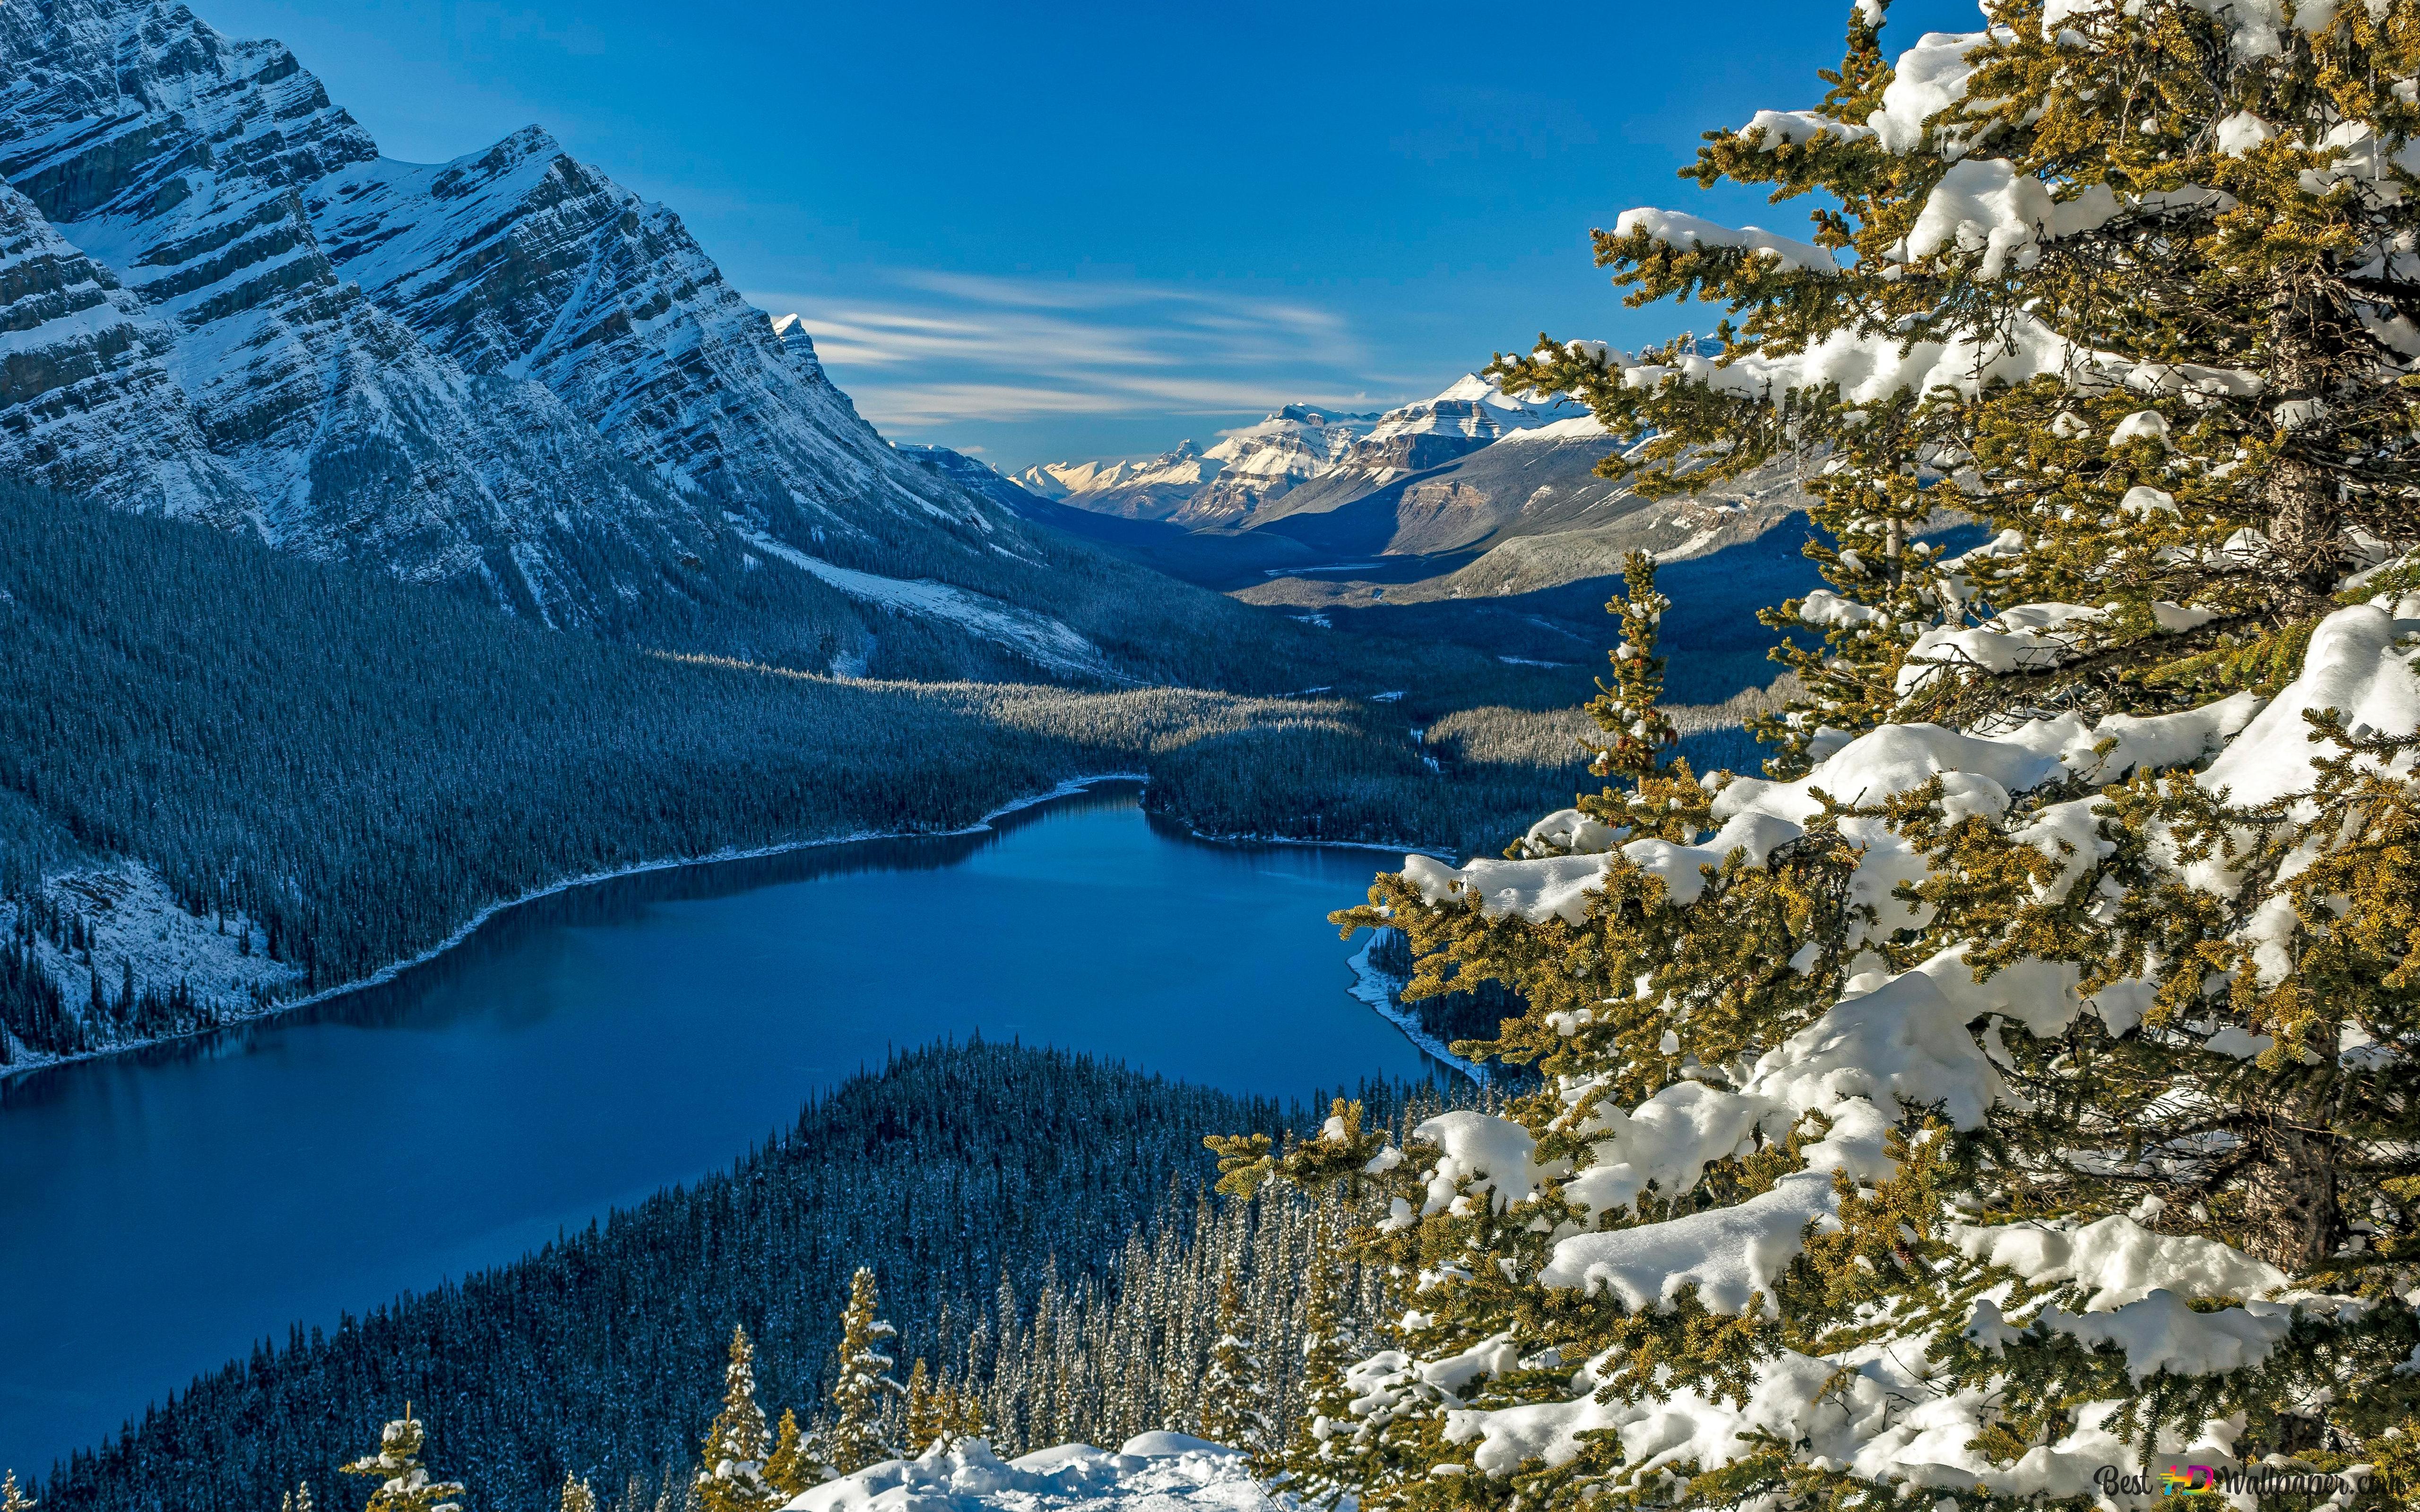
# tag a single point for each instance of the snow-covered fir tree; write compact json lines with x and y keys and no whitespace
{"x":13,"y":1497}
{"x":731,"y":1462}
{"x":2006,"y":1097}
{"x":577,"y":1496}
{"x":403,"y":1483}
{"x":1235,"y":1400}
{"x":864,"y":1388}
{"x":299,"y":1500}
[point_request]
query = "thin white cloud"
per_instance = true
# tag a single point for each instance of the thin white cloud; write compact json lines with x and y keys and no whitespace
{"x":921,"y":352}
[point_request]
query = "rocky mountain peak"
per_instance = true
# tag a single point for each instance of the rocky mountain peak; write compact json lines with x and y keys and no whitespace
{"x":506,"y":368}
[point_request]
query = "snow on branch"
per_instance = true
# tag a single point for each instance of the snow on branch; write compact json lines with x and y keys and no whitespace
{"x":1677,"y":229}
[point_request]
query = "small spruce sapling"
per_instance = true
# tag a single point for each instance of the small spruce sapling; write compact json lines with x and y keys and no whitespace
{"x":796,"y":1463}
{"x":924,"y":1426}
{"x":403,"y":1481}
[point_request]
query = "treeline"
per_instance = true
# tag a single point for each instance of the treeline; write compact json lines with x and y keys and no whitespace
{"x":1035,"y":1220}
{"x":357,"y":766}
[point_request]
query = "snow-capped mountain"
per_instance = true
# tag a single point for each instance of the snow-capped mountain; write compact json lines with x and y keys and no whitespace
{"x":224,"y":305}
{"x":1470,"y":414}
{"x":172,"y":159}
{"x":1189,"y":486}
{"x":1332,"y":457}
{"x":1422,"y":477}
{"x":1152,"y":489}
{"x":1260,"y":462}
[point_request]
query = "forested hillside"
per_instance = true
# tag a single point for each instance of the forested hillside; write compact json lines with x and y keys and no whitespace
{"x":1036,"y":1222}
{"x":228,"y":776}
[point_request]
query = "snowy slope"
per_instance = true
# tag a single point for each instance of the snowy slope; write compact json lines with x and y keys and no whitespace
{"x":140,"y":932}
{"x":87,"y":403}
{"x":1153,"y":1472}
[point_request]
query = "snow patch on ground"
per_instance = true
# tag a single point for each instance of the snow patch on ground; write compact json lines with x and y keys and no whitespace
{"x":135,"y":920}
{"x":1154,"y":1473}
{"x":1037,"y":636}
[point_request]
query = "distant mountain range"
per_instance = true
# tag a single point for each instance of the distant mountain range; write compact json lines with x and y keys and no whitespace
{"x":1233,"y":483}
{"x":509,"y":374}
{"x":1474,"y":493}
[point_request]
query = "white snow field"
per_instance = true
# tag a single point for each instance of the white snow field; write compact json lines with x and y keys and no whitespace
{"x":1153,"y":1472}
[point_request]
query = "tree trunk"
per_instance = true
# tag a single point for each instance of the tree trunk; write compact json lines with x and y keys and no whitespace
{"x":2305,"y":519}
{"x":2291,"y":1218}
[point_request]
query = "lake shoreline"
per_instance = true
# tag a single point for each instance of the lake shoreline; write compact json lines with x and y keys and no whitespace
{"x":1068,"y":789}
{"x":1377,"y":989}
{"x":1072,"y":787}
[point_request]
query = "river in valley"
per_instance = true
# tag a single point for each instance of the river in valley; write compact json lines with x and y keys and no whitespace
{"x":162,"y":1212}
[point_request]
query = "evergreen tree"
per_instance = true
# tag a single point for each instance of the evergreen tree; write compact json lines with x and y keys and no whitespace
{"x":1322,"y":1460}
{"x":1630,"y":709}
{"x":795,"y":1465}
{"x":862,"y":1390}
{"x":1234,"y":1403}
{"x":961,"y":1415}
{"x":13,"y":1499}
{"x":2008,"y":1096}
{"x":403,"y":1481}
{"x":731,"y":1472}
{"x":924,"y":1423}
{"x":298,"y":1499}
{"x":578,"y":1496}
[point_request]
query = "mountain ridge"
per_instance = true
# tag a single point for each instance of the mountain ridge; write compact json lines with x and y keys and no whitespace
{"x":503,"y":371}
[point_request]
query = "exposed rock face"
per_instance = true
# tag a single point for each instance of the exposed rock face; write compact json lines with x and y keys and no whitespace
{"x":1470,"y":414}
{"x":1265,"y":461}
{"x":88,"y":404}
{"x":522,"y":263}
{"x":1531,"y":480}
{"x":177,"y":160}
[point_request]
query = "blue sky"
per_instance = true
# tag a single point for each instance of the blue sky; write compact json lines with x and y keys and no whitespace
{"x":1091,"y":230}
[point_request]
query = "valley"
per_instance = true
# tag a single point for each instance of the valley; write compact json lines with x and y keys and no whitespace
{"x":289,"y":421}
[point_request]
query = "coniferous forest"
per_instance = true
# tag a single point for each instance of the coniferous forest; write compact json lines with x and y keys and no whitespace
{"x":1039,"y":1226}
{"x":337,"y":771}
